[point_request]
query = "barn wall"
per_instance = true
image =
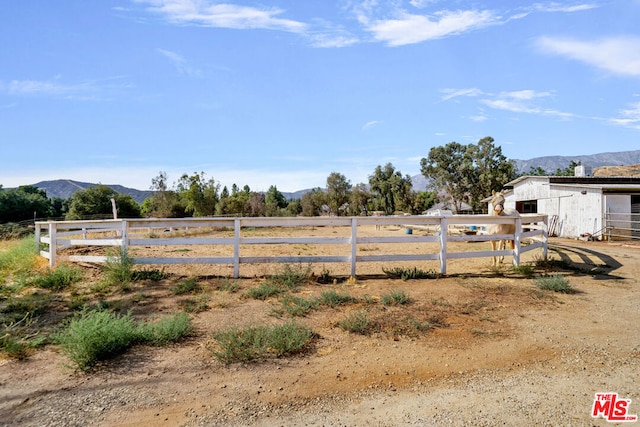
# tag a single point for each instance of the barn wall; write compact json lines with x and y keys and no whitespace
{"x":577,"y":213}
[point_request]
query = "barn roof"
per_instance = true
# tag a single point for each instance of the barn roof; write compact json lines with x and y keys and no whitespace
{"x":604,"y":182}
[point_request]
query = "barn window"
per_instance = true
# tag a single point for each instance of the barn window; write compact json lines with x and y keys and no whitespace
{"x":527,"y":206}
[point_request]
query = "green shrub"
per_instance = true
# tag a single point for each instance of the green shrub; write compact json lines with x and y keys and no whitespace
{"x":95,"y":336}
{"x":357,"y":322}
{"x":410,"y":273}
{"x":260,"y":342}
{"x":333,"y":299}
{"x":555,"y":283}
{"x":526,"y":270}
{"x":291,"y":277}
{"x":98,"y":335}
{"x":154,"y":275}
{"x":166,"y":330}
{"x":265,"y":290}
{"x":396,"y":297}
{"x":59,"y":278}
{"x":186,"y":286}
{"x":297,"y":306}
{"x":228,"y":285}
{"x":118,"y":270}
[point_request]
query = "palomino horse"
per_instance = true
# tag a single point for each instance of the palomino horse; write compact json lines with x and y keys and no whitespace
{"x":497,"y":209}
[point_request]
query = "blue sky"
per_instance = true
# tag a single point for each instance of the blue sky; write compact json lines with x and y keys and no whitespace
{"x":284,"y":92}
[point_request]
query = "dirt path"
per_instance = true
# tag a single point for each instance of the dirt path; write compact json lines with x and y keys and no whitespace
{"x":505,"y":354}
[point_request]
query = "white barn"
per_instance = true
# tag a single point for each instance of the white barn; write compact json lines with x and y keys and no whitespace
{"x":580,"y":206}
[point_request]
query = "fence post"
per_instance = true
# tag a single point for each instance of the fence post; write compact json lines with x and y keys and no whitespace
{"x":37,"y":230}
{"x":124,"y":245}
{"x":516,"y":242}
{"x":53,"y":244}
{"x":236,"y":248}
{"x":444,"y":229}
{"x":354,"y":240}
{"x":545,"y":238}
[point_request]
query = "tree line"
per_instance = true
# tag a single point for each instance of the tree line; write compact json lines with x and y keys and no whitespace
{"x":457,"y":174}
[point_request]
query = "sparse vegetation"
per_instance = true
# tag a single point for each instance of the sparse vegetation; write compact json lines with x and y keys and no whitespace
{"x":59,"y":278}
{"x":555,"y":283}
{"x":260,"y":342}
{"x":296,"y":306}
{"x":357,"y":322}
{"x":396,"y":297}
{"x":410,"y":273}
{"x":185,"y":286}
{"x":333,"y":299}
{"x":118,"y":270}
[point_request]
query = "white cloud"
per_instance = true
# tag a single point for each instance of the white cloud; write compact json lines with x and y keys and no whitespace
{"x":370,"y":124}
{"x":618,"y":55}
{"x":629,"y":117}
{"x":223,"y":15}
{"x":86,"y":90}
{"x":409,"y":29}
{"x":421,"y":3}
{"x":523,"y":101}
{"x":563,"y":7}
{"x":454,"y":93}
{"x":180,"y":63}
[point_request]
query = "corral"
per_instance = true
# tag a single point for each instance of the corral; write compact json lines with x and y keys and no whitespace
{"x":503,"y":351}
{"x":232,"y":242}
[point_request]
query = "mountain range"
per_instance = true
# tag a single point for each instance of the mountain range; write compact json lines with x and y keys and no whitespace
{"x":64,"y":188}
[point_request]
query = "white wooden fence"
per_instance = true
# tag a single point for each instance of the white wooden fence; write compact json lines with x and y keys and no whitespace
{"x":54,"y":237}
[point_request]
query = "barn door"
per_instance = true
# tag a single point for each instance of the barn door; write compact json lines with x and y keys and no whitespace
{"x":635,"y":217}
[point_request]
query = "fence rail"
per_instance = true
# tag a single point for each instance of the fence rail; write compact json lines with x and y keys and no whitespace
{"x":622,"y":226}
{"x":235,"y":234}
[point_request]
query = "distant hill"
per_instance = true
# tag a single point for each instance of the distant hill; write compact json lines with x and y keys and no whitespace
{"x":552,"y":163}
{"x":64,"y":188}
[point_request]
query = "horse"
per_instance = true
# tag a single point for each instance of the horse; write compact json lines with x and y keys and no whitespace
{"x":497,"y":209}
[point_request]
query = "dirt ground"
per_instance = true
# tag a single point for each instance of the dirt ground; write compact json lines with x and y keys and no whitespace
{"x":500,"y":352}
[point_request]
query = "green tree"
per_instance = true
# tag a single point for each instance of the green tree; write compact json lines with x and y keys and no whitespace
{"x":467,"y":173}
{"x":423,"y":201}
{"x":199,"y":195}
{"x":23,"y":203}
{"x":390,"y":191}
{"x":312,"y":202}
{"x":360,"y":200}
{"x":164,"y":203}
{"x":275,"y":202}
{"x":338,"y":193}
{"x":96,"y":201}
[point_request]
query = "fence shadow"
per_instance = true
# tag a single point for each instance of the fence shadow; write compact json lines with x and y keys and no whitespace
{"x":588,"y":261}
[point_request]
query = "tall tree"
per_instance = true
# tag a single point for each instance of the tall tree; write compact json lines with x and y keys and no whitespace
{"x":360,"y":200}
{"x":338,"y":193}
{"x":390,"y":191}
{"x":164,"y":202}
{"x":312,"y":202}
{"x":275,"y":202}
{"x":200,"y":195}
{"x":467,"y":173}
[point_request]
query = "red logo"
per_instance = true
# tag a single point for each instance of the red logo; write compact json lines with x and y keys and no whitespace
{"x":612,"y":408}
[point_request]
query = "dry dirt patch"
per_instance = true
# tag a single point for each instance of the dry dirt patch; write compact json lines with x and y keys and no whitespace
{"x":501,"y":352}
